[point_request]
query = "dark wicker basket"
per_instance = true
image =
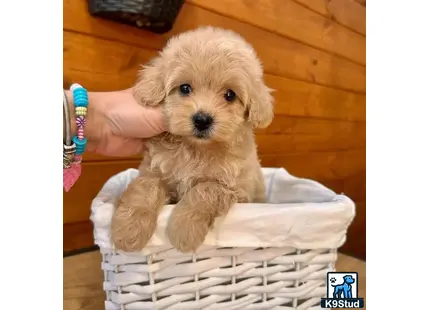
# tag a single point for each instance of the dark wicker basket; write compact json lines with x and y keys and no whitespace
{"x":157,"y":16}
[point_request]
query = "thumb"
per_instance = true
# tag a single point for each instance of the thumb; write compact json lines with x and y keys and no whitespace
{"x":151,"y":122}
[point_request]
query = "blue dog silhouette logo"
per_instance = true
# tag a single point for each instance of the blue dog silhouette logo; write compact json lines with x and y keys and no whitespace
{"x":343,"y":290}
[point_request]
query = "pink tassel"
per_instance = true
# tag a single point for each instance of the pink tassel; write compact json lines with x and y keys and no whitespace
{"x":70,"y":176}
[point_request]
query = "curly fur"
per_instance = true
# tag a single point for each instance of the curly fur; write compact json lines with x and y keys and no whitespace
{"x":204,"y":177}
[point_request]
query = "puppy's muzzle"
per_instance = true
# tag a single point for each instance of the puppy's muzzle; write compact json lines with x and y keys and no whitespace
{"x":202,"y":123}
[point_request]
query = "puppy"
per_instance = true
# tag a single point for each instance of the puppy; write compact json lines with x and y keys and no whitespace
{"x":209,"y":83}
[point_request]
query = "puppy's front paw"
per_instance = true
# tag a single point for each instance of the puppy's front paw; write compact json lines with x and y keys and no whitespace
{"x":132,"y":228}
{"x":187,"y":229}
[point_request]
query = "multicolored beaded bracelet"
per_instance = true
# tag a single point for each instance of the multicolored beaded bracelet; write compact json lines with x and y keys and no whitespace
{"x":75,"y":147}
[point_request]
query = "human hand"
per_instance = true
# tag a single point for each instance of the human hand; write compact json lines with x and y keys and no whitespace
{"x":117,"y":125}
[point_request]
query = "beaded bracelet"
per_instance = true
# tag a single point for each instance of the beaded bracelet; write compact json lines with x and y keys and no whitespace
{"x":80,"y":99}
{"x":75,"y":147}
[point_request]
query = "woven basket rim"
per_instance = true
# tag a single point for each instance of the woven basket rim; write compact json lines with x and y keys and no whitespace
{"x":303,"y":225}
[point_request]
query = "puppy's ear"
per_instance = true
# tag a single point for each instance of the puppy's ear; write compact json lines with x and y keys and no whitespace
{"x":149,"y":89}
{"x":260,"y":109}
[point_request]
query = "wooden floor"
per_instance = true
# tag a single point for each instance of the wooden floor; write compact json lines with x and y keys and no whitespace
{"x":82,"y":287}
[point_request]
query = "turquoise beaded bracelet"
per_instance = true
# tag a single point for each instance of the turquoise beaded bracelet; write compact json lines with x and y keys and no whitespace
{"x":80,"y":100}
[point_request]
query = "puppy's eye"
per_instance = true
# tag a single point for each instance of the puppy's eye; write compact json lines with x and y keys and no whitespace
{"x":185,"y":89}
{"x":230,"y":95}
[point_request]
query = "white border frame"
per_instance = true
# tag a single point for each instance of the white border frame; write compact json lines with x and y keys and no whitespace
{"x":398,"y":142}
{"x":398,"y":154}
{"x":31,"y":168}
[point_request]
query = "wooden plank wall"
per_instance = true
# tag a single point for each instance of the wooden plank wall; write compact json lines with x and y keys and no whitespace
{"x":314,"y":54}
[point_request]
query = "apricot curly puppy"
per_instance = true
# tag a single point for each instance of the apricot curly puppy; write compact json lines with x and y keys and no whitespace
{"x":209,"y":82}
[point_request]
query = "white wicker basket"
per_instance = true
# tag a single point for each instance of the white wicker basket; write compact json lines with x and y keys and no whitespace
{"x":260,"y":256}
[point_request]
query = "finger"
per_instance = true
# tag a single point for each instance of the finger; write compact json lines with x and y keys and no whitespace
{"x":152,"y":122}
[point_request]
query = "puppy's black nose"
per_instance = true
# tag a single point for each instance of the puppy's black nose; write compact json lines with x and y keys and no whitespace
{"x":202,"y":121}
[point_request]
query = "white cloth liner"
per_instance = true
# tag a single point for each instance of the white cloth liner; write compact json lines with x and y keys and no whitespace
{"x":300,"y":213}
